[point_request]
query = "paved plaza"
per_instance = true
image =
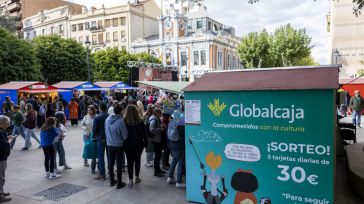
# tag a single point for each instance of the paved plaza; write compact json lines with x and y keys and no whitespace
{"x":25,"y":178}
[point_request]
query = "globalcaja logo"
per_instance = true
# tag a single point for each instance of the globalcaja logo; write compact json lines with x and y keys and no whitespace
{"x":216,"y":108}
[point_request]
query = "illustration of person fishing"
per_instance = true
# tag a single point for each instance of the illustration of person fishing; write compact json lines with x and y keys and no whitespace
{"x":215,"y":195}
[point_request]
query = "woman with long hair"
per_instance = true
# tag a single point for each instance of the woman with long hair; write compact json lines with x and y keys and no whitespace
{"x":150,"y":149}
{"x":87,"y":123}
{"x":137,"y":140}
{"x":29,"y":125}
{"x":48,"y":135}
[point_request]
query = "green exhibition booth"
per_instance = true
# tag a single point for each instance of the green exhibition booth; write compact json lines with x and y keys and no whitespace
{"x":261,"y":136}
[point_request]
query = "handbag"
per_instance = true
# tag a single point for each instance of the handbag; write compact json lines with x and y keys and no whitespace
{"x":89,"y":150}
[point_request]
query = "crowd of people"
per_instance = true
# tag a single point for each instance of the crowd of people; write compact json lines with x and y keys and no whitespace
{"x":121,"y":127}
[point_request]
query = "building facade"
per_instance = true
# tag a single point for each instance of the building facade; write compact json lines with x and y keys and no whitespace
{"x":22,"y":9}
{"x":346,"y":38}
{"x":191,"y":41}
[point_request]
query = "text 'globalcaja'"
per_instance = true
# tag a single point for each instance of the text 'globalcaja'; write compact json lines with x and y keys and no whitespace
{"x":291,"y":114}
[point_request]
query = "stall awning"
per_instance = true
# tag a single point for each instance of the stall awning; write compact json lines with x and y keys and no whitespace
{"x":15,"y":85}
{"x":115,"y":85}
{"x":69,"y":84}
{"x":170,"y":86}
{"x":43,"y":91}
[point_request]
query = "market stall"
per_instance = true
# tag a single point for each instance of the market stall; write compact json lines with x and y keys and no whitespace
{"x":169,"y":86}
{"x":254,"y":136}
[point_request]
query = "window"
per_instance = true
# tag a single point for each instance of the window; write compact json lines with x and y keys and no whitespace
{"x":87,"y":26}
{"x":115,"y":36}
{"x":199,"y":24}
{"x":74,"y":29}
{"x":183,"y":59}
{"x":93,"y":24}
{"x":80,"y":39}
{"x":80,"y":26}
{"x":60,"y":27}
{"x":107,"y":23}
{"x":122,"y":34}
{"x":196,"y":58}
{"x":28,"y":35}
{"x":99,"y":23}
{"x":219,"y":59}
{"x":43,"y":31}
{"x":123,"y":21}
{"x":94,"y":39}
{"x":123,"y":47}
{"x":233,"y":63}
{"x":203,"y":57}
{"x":101,"y":38}
{"x":87,"y":38}
{"x":209,"y":25}
{"x":35,"y":34}
{"x":114,"y":22}
{"x":228,"y":61}
{"x":107,"y":37}
{"x":52,"y":30}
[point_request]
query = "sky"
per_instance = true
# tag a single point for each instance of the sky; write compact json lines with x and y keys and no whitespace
{"x":268,"y":14}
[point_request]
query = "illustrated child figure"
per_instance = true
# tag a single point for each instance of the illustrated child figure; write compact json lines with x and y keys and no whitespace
{"x":245,"y":183}
{"x":212,"y":196}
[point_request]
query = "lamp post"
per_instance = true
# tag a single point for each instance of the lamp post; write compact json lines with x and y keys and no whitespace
{"x":88,"y":43}
{"x":336,"y":54}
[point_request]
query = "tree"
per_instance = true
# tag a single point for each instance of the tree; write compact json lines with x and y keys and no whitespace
{"x":288,"y":46}
{"x":17,"y":59}
{"x":111,"y":64}
{"x":7,"y":22}
{"x":307,"y":61}
{"x":285,"y":47}
{"x":61,"y":59}
{"x":254,"y":50}
{"x":358,"y":5}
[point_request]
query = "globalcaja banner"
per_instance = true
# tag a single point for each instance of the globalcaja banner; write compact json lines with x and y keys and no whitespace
{"x":260,"y":147}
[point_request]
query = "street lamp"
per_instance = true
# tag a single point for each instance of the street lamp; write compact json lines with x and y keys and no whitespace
{"x":336,"y":54}
{"x":88,"y":43}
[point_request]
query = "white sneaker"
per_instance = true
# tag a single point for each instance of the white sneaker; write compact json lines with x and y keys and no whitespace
{"x":57,"y":171}
{"x":54,"y":176}
{"x":171,"y":180}
{"x":149,"y":164}
{"x":180,"y":185}
{"x":47,"y":174}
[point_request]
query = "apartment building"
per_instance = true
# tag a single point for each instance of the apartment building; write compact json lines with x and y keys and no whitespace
{"x":116,"y":26}
{"x":22,"y":9}
{"x":346,"y":38}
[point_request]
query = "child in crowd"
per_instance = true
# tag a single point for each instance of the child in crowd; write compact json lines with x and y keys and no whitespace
{"x":48,"y":135}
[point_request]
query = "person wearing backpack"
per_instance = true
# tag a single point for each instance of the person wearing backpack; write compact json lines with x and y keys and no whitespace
{"x":177,"y":145}
{"x":150,"y":149}
{"x":7,"y":106}
{"x":155,"y":129}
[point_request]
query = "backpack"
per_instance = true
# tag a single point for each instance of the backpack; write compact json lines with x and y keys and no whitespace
{"x":173,"y":131}
{"x":147,"y":127}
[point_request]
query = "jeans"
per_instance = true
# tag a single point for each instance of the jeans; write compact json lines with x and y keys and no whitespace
{"x":30,"y":133}
{"x":101,"y":147}
{"x":16,"y":131}
{"x":115,"y":155}
{"x":58,"y":148}
{"x":149,"y":156}
{"x":49,"y":158}
{"x":157,"y":156}
{"x":133,"y":156}
{"x":178,"y":159}
{"x":3,"y":166}
{"x":165,"y":157}
{"x":357,"y":118}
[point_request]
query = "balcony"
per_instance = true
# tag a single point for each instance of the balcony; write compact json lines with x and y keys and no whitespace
{"x":15,"y":6}
{"x":97,"y":29}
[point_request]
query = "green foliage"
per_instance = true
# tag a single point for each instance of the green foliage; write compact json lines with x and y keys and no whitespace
{"x":17,"y":59}
{"x":61,"y":59}
{"x":8,"y":22}
{"x":111,"y":64}
{"x":307,"y":61}
{"x":285,"y":47}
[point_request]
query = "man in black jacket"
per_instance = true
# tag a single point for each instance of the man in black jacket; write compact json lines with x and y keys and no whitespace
{"x":4,"y":153}
{"x":99,"y":135}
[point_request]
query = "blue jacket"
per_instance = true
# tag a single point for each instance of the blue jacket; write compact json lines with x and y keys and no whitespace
{"x":47,"y":137}
{"x":116,"y":131}
{"x":99,"y":126}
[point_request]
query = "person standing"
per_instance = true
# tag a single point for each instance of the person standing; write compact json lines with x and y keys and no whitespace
{"x":140,"y":106}
{"x":17,"y":118}
{"x":48,"y":134}
{"x":58,"y":144}
{"x":73,"y":112}
{"x":41,"y":116}
{"x":99,"y":135}
{"x":4,"y":154}
{"x":22,"y":104}
{"x":116,"y":134}
{"x":32,"y":101}
{"x":87,"y":123}
{"x":357,"y":104}
{"x":150,"y":149}
{"x":7,"y":106}
{"x":137,"y":140}
{"x":156,"y":129}
{"x":29,"y":125}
